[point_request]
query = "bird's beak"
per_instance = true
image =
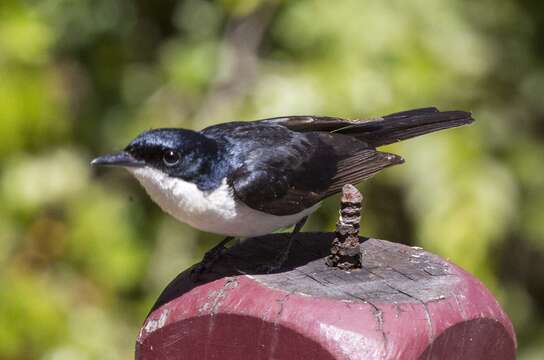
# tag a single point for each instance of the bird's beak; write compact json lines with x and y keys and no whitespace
{"x":122,"y":158}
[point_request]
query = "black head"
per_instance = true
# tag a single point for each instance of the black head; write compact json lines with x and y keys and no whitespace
{"x":179,"y":153}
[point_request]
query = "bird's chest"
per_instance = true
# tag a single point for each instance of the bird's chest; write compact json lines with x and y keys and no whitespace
{"x":184,"y":200}
{"x":215,"y":211}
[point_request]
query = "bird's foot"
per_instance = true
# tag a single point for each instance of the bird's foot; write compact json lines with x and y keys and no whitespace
{"x":209,"y":259}
{"x":206,"y":263}
{"x":279,"y":261}
{"x":272,"y":267}
{"x":282,"y":258}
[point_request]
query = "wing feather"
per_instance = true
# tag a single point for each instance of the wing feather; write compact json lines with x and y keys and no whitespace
{"x":283,"y":186}
{"x":293,"y":162}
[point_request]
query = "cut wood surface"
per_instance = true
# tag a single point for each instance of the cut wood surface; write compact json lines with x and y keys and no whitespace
{"x":405,"y":303}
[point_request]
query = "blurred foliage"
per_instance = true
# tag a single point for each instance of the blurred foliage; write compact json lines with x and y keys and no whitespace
{"x":83,"y":254}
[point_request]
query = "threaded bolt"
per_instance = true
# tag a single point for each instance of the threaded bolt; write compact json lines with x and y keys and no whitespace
{"x":346,"y":250}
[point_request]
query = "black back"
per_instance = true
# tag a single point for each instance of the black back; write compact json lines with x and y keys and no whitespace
{"x":282,"y":172}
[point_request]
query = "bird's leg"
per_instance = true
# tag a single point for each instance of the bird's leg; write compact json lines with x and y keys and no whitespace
{"x":299,"y":225}
{"x":280,"y":260}
{"x":210,"y":258}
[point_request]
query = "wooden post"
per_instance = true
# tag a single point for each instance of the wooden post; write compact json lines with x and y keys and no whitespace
{"x":404,"y":303}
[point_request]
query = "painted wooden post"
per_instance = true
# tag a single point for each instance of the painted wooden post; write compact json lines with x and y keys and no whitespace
{"x":405,"y":303}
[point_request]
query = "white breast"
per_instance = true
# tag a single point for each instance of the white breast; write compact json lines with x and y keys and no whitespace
{"x":214,"y":211}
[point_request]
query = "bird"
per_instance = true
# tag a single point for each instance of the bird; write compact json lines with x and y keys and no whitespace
{"x":249,"y":178}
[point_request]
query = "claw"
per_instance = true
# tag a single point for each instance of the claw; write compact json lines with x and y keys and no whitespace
{"x":209,"y":259}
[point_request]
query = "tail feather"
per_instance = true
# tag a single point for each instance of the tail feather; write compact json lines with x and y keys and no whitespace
{"x":405,"y":125}
{"x":381,"y":131}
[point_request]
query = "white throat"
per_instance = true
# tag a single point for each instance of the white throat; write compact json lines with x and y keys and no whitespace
{"x":215,"y":211}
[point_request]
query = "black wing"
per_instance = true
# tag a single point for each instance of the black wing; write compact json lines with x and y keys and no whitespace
{"x":379,"y":131}
{"x":291,"y":163}
{"x":285,"y":172}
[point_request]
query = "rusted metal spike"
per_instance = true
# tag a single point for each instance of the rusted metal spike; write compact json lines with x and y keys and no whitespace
{"x":346,"y":250}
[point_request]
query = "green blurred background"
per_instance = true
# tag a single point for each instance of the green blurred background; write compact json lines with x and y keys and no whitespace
{"x":84,"y":253}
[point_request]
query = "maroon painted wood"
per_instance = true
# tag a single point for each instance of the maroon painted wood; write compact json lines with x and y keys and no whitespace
{"x":404,"y":304}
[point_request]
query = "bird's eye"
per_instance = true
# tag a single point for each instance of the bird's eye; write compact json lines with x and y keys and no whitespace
{"x":170,"y":158}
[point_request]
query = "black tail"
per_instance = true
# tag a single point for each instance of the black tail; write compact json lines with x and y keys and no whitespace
{"x":405,"y":125}
{"x":380,"y":131}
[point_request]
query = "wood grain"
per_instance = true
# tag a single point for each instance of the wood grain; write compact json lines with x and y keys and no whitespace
{"x":405,"y":303}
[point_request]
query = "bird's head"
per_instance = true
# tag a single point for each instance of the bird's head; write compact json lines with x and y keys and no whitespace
{"x":176,"y":153}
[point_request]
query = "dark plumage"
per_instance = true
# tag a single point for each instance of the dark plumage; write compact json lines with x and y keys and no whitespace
{"x":249,"y":178}
{"x":284,"y":165}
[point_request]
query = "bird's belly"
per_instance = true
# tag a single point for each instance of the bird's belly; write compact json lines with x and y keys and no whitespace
{"x":215,"y":211}
{"x":245,"y":222}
